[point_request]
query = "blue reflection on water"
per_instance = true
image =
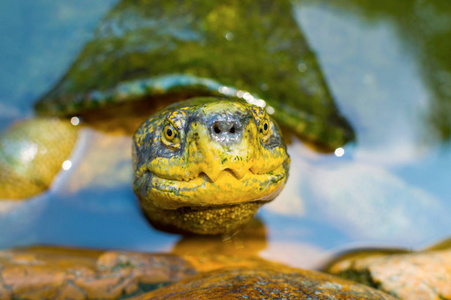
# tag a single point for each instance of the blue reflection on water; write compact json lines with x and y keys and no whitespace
{"x":117,"y":223}
{"x":39,"y":39}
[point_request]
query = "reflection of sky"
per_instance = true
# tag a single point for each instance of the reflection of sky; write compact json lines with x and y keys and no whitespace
{"x":35,"y":52}
{"x":89,"y":205}
{"x":431,"y":173}
{"x":379,"y":87}
{"x":390,"y":187}
{"x":368,"y":204}
{"x":375,"y":82}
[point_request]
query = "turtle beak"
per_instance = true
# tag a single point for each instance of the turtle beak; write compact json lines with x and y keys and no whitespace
{"x":225,"y":143}
{"x":214,"y":174}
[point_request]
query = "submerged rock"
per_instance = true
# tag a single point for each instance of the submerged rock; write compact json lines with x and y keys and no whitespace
{"x":422,"y":275}
{"x":31,"y":153}
{"x":57,"y":273}
{"x":264,"y":282}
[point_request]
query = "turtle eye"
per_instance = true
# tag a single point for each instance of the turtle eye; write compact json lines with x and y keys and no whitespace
{"x":264,"y":127}
{"x":170,"y":137}
{"x":169,"y":132}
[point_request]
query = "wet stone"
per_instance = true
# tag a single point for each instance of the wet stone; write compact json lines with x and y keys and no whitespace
{"x":422,"y":275}
{"x":56,"y":273}
{"x":264,"y":282}
{"x":32,"y":153}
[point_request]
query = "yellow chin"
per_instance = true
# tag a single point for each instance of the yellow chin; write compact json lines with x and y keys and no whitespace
{"x":226,"y":190}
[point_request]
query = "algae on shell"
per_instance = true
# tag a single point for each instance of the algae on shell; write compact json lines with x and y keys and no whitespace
{"x":179,"y":49}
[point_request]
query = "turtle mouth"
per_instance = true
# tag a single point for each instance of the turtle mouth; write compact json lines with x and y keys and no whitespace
{"x":237,"y":174}
{"x":226,"y":175}
{"x":227,"y":189}
{"x":214,"y":176}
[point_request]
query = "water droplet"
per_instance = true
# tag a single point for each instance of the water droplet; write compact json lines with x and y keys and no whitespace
{"x":339,"y":152}
{"x":270,"y":110}
{"x":260,"y":102}
{"x":228,"y":35}
{"x":248,"y":97}
{"x":302,"y":67}
{"x":67,"y":164}
{"x":75,"y":121}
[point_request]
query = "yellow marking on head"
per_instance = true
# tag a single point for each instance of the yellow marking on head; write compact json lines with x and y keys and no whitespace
{"x":209,"y":172}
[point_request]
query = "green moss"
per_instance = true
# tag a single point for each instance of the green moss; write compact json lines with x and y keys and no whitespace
{"x":161,"y":47}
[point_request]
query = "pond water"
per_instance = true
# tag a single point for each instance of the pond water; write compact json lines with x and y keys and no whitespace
{"x":388,"y":68}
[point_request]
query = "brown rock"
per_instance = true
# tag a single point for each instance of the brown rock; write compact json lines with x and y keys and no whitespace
{"x":264,"y":282}
{"x":56,"y":273}
{"x":32,"y":153}
{"x":422,"y":275}
{"x":52,"y":273}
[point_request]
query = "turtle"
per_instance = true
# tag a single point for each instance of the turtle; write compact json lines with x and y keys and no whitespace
{"x":232,"y":70}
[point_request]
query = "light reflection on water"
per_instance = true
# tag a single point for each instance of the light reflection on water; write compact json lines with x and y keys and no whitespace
{"x":389,"y":189}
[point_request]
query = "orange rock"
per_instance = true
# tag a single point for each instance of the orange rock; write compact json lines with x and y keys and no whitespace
{"x":51,"y":273}
{"x":422,"y":275}
{"x":56,"y":273}
{"x":264,"y":282}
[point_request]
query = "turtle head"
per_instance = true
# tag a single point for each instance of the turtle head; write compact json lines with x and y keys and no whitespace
{"x":206,"y":165}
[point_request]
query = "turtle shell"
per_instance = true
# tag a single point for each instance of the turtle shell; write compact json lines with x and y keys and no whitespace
{"x":145,"y":50}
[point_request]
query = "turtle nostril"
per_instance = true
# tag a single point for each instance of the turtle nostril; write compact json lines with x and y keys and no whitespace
{"x":225,"y":129}
{"x":216,"y":128}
